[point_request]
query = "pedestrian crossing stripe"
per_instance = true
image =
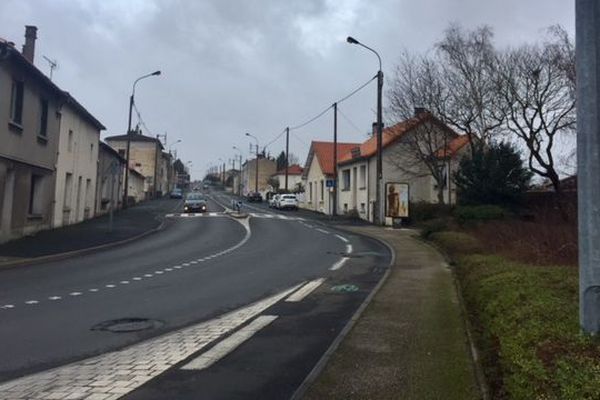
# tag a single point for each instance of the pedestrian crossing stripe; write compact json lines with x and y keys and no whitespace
{"x":221,"y":214}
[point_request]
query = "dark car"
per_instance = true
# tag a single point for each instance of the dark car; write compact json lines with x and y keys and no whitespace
{"x":254,"y":197}
{"x":195,"y":202}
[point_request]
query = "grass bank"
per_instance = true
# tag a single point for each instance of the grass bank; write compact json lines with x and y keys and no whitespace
{"x":525,"y":321}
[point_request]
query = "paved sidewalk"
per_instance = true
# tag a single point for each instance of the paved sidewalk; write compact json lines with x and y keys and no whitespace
{"x":410,"y":342}
{"x":127,"y":224}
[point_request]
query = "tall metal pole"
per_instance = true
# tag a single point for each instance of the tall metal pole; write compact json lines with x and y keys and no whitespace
{"x":287,"y":149}
{"x":335,"y":156}
{"x":126,"y":188}
{"x":378,"y":213}
{"x":256,"y":176}
{"x":587,"y":34}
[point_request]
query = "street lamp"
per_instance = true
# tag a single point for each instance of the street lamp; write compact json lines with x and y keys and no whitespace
{"x":173,"y":144}
{"x":377,"y":206}
{"x":131,"y":102}
{"x":240,"y":175}
{"x":256,"y":176}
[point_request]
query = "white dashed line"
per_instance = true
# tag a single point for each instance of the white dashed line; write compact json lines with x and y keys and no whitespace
{"x":186,"y":264}
{"x":110,"y":286}
{"x":304,"y":291}
{"x":158,"y":272}
{"x":168,"y":269}
{"x":93,"y":290}
{"x":75,"y":294}
{"x":177,"y":266}
{"x":348,"y":249}
{"x":31,"y":302}
{"x":137,"y":278}
{"x":339,"y":264}
{"x":229,"y":344}
{"x":343,"y":239}
{"x":322,"y":231}
{"x":124,"y":282}
{"x":148,"y":275}
{"x":7,"y":306}
{"x":53,"y":298}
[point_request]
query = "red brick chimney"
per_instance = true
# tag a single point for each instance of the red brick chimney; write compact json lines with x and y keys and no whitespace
{"x":29,"y":46}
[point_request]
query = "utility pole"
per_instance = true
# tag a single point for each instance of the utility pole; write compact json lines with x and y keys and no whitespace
{"x":378,"y":197}
{"x":287,"y":149}
{"x":256,"y":175}
{"x":335,"y":169}
{"x":587,"y":47}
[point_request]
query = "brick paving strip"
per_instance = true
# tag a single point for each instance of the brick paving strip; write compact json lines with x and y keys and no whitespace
{"x":113,"y":375}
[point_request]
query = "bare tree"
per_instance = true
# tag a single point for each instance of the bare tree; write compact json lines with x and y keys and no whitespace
{"x":537,"y":87}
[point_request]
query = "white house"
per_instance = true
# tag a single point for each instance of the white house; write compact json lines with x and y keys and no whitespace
{"x":317,"y":171}
{"x":400,"y":165}
{"x":76,"y":164}
{"x":294,"y":178}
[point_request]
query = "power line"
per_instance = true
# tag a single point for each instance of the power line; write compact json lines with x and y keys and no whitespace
{"x":358,"y":89}
{"x":274,"y":140}
{"x":349,"y":120}
{"x":140,"y":119}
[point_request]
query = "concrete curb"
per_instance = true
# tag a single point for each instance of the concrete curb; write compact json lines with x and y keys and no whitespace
{"x":318,"y":368}
{"x":87,"y":250}
{"x":476,"y":360}
{"x":74,"y":253}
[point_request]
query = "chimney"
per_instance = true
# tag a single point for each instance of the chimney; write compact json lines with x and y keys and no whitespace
{"x":420,"y":110}
{"x":29,"y":46}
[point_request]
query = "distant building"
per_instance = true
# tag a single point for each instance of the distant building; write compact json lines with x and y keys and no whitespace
{"x":266,"y":168}
{"x":318,"y":170}
{"x":109,"y":184}
{"x":136,"y":185}
{"x":145,"y":154}
{"x":294,"y":178}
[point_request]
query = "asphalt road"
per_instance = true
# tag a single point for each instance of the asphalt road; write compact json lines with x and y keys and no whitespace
{"x":56,"y":305}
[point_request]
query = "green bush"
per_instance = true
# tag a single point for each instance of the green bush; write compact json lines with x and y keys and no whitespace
{"x":423,"y":211}
{"x":479,"y":213}
{"x":456,"y":242}
{"x":432,"y":226}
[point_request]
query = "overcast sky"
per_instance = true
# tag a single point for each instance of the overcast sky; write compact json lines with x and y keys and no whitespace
{"x":230,"y":67}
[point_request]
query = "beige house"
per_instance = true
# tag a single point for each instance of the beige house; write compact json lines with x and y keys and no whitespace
{"x":30,"y":112}
{"x":165,"y":181}
{"x":76,"y":164}
{"x":145,"y":157}
{"x":318,"y":172}
{"x":294,"y":179}
{"x":136,"y":185}
{"x":266,"y":168}
{"x":401,"y":163}
{"x":109,"y":184}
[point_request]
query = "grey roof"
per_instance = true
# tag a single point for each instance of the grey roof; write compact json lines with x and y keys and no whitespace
{"x":135,"y":137}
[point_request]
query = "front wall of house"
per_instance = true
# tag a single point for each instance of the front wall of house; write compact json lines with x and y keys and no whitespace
{"x":143,"y":159}
{"x":317,"y":194}
{"x":109,"y":187}
{"x":293,"y":181}
{"x":76,"y":169}
{"x":354,"y":196}
{"x":266,"y":168}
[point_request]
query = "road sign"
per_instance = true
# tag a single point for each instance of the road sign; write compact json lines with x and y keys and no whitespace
{"x":330,"y":183}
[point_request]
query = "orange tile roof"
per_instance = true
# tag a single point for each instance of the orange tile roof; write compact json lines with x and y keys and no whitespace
{"x":389,"y":136}
{"x":292,"y":170}
{"x":324,"y":153}
{"x":454,"y":146}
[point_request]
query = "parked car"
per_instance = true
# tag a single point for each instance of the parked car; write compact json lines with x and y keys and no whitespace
{"x":287,"y":201}
{"x":195,"y":202}
{"x":254,"y":197}
{"x":176,"y":194}
{"x":273,"y":200}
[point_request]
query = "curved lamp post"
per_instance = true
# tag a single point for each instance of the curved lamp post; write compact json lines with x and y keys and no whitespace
{"x":131,"y":102}
{"x":256,"y":174}
{"x":377,"y":208}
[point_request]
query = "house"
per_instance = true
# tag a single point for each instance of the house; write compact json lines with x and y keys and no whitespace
{"x":30,"y":114}
{"x":76,"y":164}
{"x":109,"y":183}
{"x":165,"y":181}
{"x":137,"y":186}
{"x":294,"y":179}
{"x":409,"y":150}
{"x":144,"y":155}
{"x":318,"y":170}
{"x":266,"y":168}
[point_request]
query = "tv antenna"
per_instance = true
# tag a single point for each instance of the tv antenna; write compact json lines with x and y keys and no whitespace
{"x":53,"y":65}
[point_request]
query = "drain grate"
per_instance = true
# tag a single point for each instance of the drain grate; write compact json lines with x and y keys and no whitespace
{"x":124,"y":325}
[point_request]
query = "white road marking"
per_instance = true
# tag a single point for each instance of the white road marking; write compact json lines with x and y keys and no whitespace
{"x":93,"y":290}
{"x":177,"y":266}
{"x":223,"y":348}
{"x":186,"y":264}
{"x":53,"y":298}
{"x":213,"y":214}
{"x":304,"y":291}
{"x":348,"y":249}
{"x":110,"y":286}
{"x":75,"y":294}
{"x":168,"y":269}
{"x":31,"y":302}
{"x":124,"y":282}
{"x":159,"y":272}
{"x":343,"y":239}
{"x":137,"y":364}
{"x":339,"y":264}
{"x":7,"y":306}
{"x":322,"y":231}
{"x":148,"y":275}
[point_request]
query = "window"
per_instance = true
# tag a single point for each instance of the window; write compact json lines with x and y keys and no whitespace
{"x":92,"y":152}
{"x":70,"y":142}
{"x":68,"y":190}
{"x":16,"y":102}
{"x":35,"y":192}
{"x":346,"y":179}
{"x":322,"y":190}
{"x":362,"y":208}
{"x":310,"y":192}
{"x":362,"y":177}
{"x":43,"y":118}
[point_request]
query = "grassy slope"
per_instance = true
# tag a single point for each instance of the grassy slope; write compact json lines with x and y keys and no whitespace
{"x":526,"y":323}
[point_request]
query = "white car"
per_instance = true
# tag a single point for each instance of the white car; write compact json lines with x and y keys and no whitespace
{"x":287,"y":201}
{"x":273,"y":200}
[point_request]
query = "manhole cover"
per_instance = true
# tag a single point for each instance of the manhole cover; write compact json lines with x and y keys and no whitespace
{"x":344,"y":288}
{"x":125,"y":325}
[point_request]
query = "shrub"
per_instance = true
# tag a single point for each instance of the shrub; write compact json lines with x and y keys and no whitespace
{"x":479,"y":213}
{"x":423,"y":211}
{"x":432,"y":226}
